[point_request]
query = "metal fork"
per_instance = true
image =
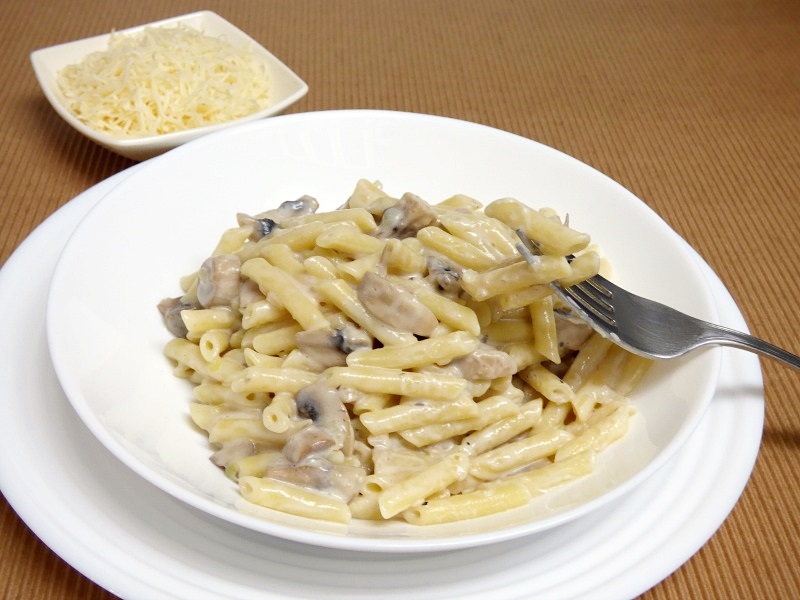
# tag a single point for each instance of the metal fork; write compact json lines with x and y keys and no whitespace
{"x":645,"y":327}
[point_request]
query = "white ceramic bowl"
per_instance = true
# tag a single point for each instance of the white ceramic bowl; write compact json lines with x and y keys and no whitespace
{"x":106,"y":336}
{"x":286,"y":87}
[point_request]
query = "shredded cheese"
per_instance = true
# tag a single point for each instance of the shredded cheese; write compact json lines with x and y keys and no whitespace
{"x":164,"y":80}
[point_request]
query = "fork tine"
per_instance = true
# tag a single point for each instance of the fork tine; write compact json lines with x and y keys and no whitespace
{"x":595,"y":289}
{"x":591,"y":296}
{"x":527,"y":248}
{"x":588,"y":298}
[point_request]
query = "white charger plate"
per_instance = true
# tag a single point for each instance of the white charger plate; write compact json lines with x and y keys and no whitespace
{"x":141,"y":543}
{"x":106,"y":338}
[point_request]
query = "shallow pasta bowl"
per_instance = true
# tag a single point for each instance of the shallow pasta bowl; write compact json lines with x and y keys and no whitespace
{"x":107,"y":339}
{"x":286,"y":87}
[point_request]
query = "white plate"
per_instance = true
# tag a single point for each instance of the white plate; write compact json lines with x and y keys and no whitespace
{"x":140,"y":543}
{"x":286,"y":87}
{"x":106,"y":338}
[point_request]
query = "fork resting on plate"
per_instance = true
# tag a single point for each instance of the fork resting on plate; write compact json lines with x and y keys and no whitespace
{"x":645,"y":327}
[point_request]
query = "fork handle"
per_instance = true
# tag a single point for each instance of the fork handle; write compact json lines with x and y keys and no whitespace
{"x":730,"y":337}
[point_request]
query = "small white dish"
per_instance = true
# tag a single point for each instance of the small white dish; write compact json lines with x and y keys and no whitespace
{"x":286,"y":87}
{"x":106,"y":337}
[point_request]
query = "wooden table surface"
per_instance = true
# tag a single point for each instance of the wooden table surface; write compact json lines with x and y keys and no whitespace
{"x":693,"y":105}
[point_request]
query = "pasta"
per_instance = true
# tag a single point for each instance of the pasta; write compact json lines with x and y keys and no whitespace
{"x":397,"y":360}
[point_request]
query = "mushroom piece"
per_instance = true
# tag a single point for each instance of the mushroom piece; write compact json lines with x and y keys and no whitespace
{"x":233,"y":451}
{"x":485,"y":363}
{"x":405,"y":217}
{"x":330,"y":347}
{"x":263,"y":224}
{"x":259,"y":227}
{"x":571,"y":331}
{"x":324,"y":406}
{"x":249,"y":292}
{"x":308,"y":441}
{"x":341,"y":481}
{"x":304,"y":205}
{"x":395,"y":305}
{"x":218,"y":280}
{"x":170,"y":309}
{"x":444,"y":275}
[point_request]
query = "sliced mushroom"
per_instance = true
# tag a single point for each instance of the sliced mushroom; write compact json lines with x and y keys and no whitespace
{"x":406,"y":217}
{"x":444,"y":274}
{"x":218,"y":280}
{"x":233,"y":451}
{"x":330,"y":347}
{"x":572,"y":332}
{"x":249,"y":292}
{"x":485,"y":363}
{"x":351,"y":338}
{"x":324,"y":406}
{"x":264,"y":224}
{"x":339,"y":480}
{"x":306,"y":442}
{"x":170,"y":309}
{"x":304,"y":205}
{"x":395,"y":305}
{"x":259,"y":227}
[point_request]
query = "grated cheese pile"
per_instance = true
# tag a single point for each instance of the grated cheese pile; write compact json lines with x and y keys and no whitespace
{"x":164,"y":80}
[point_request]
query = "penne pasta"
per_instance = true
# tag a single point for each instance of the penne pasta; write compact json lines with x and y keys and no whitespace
{"x":397,"y":360}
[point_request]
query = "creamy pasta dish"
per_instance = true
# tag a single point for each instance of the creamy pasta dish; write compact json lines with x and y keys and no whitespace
{"x":397,"y":358}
